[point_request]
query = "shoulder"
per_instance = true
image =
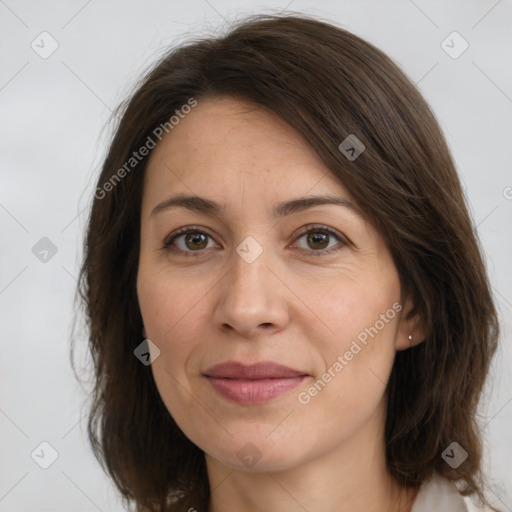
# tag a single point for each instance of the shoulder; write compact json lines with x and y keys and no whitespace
{"x":474,"y":508}
{"x":438,"y":493}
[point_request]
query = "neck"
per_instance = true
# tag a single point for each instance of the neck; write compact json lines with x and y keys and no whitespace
{"x":350,"y":478}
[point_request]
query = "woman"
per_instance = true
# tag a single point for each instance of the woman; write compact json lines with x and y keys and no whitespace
{"x":287,"y":303}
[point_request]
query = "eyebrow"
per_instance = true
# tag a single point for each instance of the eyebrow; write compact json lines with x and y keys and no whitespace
{"x":209,"y":207}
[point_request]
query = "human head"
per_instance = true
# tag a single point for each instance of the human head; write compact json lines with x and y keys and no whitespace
{"x":406,"y":184}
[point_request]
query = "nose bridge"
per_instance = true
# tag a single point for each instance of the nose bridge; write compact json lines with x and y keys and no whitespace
{"x":249,"y":270}
{"x":249,"y":296}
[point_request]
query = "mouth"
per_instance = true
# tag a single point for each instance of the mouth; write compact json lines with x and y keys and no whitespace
{"x":253,"y":384}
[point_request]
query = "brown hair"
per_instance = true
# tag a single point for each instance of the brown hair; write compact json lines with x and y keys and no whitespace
{"x":327,"y":84}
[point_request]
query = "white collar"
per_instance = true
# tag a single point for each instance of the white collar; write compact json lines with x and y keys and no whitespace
{"x":439,"y":494}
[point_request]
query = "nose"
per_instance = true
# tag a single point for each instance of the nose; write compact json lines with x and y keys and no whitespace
{"x":251,"y":298}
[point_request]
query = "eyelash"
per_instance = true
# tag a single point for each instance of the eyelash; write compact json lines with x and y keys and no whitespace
{"x":168,"y":244}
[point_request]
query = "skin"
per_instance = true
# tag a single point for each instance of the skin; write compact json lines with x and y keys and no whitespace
{"x":290,"y":305}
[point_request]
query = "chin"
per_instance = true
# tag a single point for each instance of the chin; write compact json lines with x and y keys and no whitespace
{"x":258,"y":453}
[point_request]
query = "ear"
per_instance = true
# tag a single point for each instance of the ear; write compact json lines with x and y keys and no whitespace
{"x":144,"y":333}
{"x":411,"y":329}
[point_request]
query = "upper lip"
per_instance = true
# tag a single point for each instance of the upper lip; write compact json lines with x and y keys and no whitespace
{"x":261,"y":370}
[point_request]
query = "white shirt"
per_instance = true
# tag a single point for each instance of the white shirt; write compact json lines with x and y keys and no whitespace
{"x":437,"y":495}
{"x":441,"y":495}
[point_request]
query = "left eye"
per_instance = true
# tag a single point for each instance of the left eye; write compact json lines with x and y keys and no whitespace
{"x":192,"y":240}
{"x":319,"y":238}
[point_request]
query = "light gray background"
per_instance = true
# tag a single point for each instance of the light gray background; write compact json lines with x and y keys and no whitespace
{"x":53,"y":112}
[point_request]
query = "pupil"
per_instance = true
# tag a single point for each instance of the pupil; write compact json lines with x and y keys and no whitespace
{"x":195,"y":239}
{"x":318,"y":238}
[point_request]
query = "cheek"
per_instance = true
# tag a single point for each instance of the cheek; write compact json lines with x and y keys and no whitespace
{"x":174,"y":314}
{"x":167,"y":312}
{"x":353,"y":307}
{"x":360,"y":319}
{"x":169,"y":308}
{"x":351,"y":387}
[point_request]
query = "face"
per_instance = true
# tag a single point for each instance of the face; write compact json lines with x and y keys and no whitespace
{"x":310,"y":287}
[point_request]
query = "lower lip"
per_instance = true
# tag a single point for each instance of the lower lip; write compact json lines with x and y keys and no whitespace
{"x":245,"y":391}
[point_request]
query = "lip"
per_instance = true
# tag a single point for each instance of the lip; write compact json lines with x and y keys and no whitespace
{"x":253,"y":384}
{"x":261,"y":370}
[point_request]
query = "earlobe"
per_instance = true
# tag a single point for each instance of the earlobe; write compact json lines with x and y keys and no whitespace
{"x":408,"y":341}
{"x":144,"y":334}
{"x":411,"y":331}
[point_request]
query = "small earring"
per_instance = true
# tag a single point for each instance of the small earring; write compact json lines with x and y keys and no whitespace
{"x":410,"y":337}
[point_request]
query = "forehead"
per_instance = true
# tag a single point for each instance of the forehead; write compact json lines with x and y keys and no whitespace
{"x":228,"y":144}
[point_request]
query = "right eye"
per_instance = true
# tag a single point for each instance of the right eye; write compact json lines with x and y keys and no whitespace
{"x":187,"y":241}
